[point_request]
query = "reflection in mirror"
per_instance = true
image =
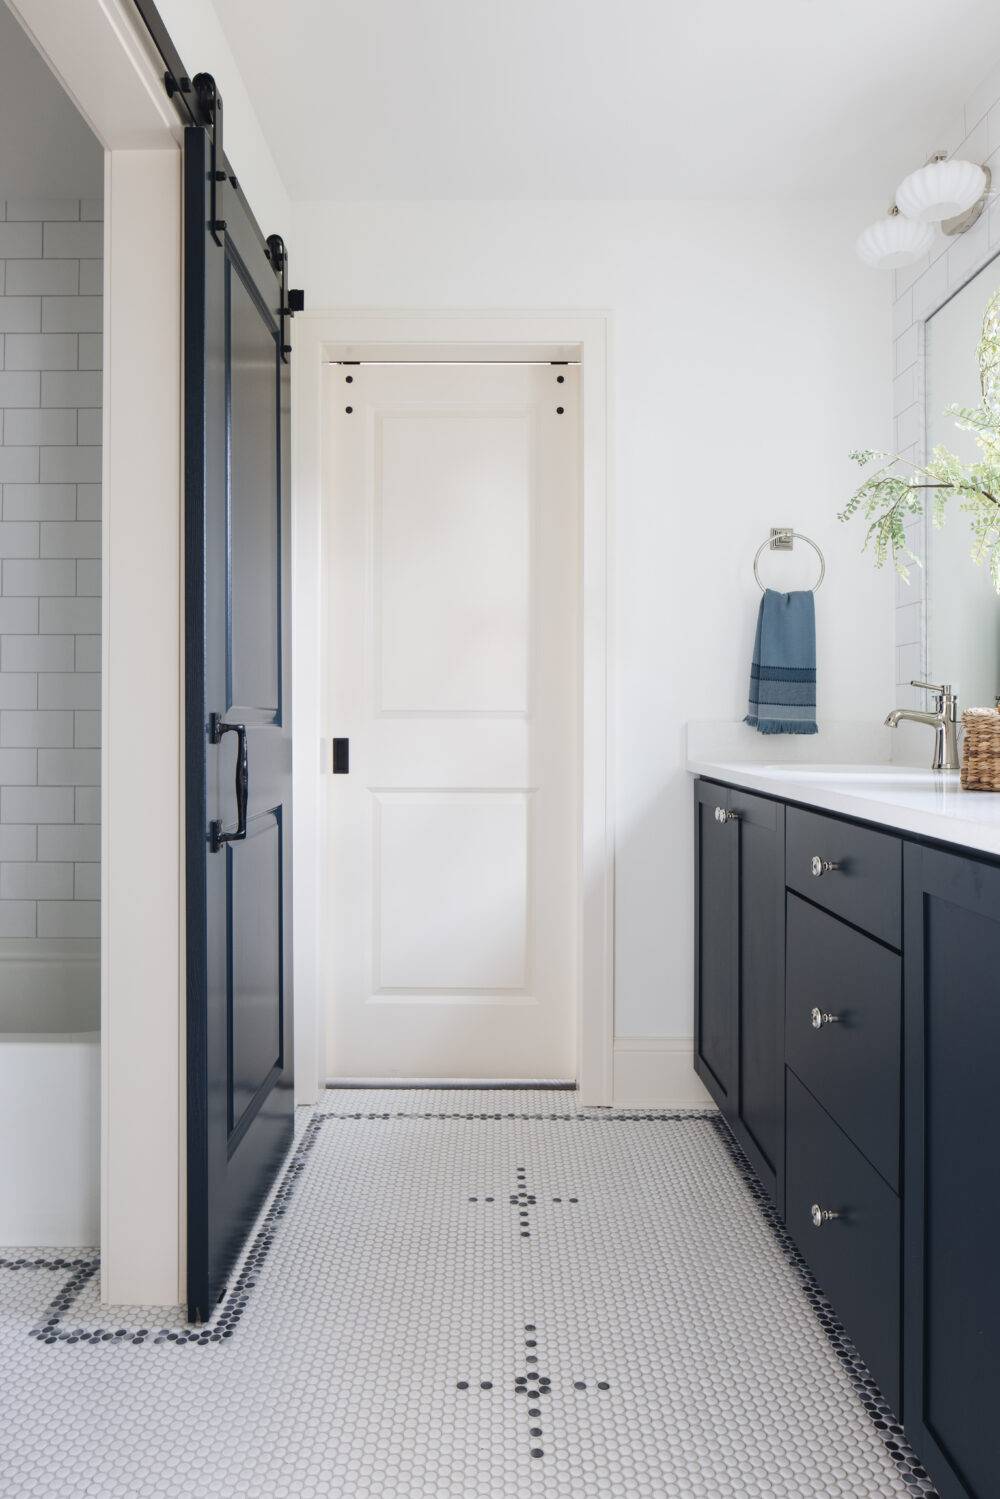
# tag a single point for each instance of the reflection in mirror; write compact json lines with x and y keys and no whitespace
{"x":963,"y":611}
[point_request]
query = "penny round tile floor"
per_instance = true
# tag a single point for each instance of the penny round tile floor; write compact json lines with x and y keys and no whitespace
{"x":462,"y":1295}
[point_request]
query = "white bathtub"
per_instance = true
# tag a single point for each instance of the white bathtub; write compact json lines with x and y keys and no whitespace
{"x":49,"y":1094}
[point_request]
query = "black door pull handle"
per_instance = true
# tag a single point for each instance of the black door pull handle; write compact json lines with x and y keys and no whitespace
{"x":216,"y":729}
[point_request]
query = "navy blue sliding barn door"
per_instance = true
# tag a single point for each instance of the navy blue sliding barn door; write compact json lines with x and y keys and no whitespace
{"x":238,"y":745}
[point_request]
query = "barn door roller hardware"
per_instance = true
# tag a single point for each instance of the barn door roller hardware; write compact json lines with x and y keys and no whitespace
{"x":199,"y":103}
{"x":292,"y":300}
{"x":210,"y":104}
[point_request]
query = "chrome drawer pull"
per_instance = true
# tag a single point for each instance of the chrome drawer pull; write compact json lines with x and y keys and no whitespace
{"x":821,"y":1018}
{"x":724,"y":814}
{"x":820,"y":1215}
{"x":822,"y":866}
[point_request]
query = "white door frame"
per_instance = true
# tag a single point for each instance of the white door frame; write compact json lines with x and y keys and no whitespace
{"x":101,"y":54}
{"x":319,"y":339}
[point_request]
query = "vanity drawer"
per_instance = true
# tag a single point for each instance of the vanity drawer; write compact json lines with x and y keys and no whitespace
{"x":854,"y":1256}
{"x":866,"y":885}
{"x":851,"y":1064}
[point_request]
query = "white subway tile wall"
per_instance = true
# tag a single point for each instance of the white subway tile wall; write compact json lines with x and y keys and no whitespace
{"x":918,"y":291}
{"x":50,"y":571}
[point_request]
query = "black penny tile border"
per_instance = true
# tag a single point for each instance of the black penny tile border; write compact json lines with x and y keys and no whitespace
{"x":678,"y":1116}
{"x":23,"y":1263}
{"x":224,"y":1321}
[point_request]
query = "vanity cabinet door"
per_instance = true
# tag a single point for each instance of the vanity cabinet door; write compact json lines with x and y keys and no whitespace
{"x":761,"y":1107}
{"x":845,"y":1220}
{"x":952,"y":1168}
{"x":739,"y":966}
{"x":716,"y":844}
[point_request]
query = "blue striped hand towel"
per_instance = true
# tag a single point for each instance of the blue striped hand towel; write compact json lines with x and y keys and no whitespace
{"x":783,"y":674}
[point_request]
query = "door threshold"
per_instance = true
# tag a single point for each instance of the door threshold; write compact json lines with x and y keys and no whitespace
{"x":535,"y":1084}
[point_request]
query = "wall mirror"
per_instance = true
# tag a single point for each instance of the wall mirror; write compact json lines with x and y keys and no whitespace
{"x":962,"y":609}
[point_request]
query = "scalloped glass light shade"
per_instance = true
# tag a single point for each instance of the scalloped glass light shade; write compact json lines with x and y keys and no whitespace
{"x":893,"y":242}
{"x":940,"y":190}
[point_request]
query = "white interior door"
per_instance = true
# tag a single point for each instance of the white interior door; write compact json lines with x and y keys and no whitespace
{"x":453,"y":620}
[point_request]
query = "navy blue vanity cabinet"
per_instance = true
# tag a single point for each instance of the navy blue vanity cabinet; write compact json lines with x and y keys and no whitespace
{"x":857,"y":973}
{"x":951,"y":1265}
{"x":740,"y":942}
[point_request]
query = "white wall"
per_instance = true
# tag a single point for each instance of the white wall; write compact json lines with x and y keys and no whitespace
{"x":750,"y":357}
{"x":45,"y":147}
{"x":199,"y":38}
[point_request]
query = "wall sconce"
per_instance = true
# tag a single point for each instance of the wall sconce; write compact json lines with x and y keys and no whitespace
{"x":943,"y":191}
{"x":894,"y":241}
{"x":949,"y":193}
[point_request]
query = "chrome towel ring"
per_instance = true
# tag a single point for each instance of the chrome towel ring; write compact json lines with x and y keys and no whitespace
{"x":781,"y":539}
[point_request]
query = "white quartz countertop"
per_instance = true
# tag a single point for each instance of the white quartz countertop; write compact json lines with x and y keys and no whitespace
{"x":930,"y":804}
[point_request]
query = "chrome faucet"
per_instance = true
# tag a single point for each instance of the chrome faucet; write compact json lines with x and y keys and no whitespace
{"x":944,"y":722}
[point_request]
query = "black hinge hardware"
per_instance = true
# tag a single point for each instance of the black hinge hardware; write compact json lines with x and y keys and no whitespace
{"x":210,"y":104}
{"x":293,"y":300}
{"x":341,"y":757}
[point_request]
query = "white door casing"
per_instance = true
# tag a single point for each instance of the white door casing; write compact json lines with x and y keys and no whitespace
{"x":453,"y":568}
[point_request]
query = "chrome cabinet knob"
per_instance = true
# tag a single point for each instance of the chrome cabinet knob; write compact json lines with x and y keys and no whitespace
{"x":822,"y":866}
{"x":725,"y":814}
{"x":820,"y":1215}
{"x":821,"y":1018}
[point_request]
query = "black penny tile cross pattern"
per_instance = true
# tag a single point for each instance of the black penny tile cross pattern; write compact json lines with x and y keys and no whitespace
{"x":523,"y":1200}
{"x":533,"y":1387}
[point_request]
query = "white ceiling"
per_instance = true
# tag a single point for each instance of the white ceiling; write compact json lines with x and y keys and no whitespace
{"x":580,"y":99}
{"x":46,"y":150}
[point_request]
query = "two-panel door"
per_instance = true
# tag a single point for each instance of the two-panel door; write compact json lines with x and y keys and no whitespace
{"x":238,"y":745}
{"x":453,"y":631}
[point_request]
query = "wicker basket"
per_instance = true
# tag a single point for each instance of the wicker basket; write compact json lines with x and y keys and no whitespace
{"x":981,"y":749}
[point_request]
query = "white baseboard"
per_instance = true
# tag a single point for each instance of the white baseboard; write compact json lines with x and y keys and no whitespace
{"x":657,"y":1072}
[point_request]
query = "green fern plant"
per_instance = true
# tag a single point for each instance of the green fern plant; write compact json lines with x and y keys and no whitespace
{"x":898,"y":488}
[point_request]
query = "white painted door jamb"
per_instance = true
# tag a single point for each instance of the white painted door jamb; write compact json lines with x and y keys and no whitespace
{"x":324,"y":336}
